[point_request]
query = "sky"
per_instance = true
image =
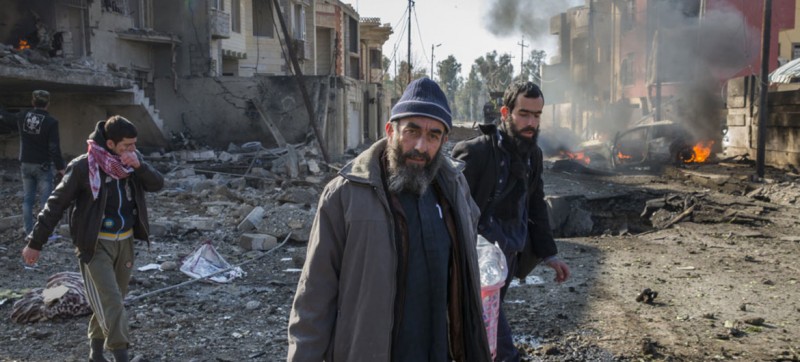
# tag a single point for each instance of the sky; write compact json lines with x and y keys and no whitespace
{"x":466,"y":29}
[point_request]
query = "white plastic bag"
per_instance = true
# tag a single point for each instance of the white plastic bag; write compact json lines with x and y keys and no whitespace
{"x":492,"y":262}
{"x":205,"y":260}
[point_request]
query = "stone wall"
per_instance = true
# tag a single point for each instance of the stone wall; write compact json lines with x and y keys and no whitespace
{"x":218,"y":111}
{"x":783,"y":122}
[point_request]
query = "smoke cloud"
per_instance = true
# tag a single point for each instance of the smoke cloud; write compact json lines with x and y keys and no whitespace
{"x":525,"y":17}
{"x":699,"y":54}
{"x":697,"y":50}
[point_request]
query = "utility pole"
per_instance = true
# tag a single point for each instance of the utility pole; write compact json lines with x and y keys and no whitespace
{"x":762,"y":96}
{"x":591,"y":58}
{"x":410,"y":6}
{"x":522,"y":47}
{"x":298,"y":76}
{"x":432,"y":48}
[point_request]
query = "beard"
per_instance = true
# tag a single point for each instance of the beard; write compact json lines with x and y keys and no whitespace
{"x":410,"y":178}
{"x":524,"y":144}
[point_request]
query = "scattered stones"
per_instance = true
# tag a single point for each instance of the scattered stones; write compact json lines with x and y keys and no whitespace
{"x":257,"y":241}
{"x":647,"y":296}
{"x":649,"y":347}
{"x":253,"y":220}
{"x":168,"y":265}
{"x":756,"y":321}
{"x":253,"y":305}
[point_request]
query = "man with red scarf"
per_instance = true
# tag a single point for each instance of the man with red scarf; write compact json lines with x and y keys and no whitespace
{"x":103,"y":191}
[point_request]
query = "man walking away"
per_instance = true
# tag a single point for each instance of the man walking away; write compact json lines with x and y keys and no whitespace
{"x":39,"y":151}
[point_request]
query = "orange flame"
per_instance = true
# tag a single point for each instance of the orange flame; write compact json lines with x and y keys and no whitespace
{"x":701,"y":152}
{"x":623,"y":156}
{"x":577,"y":156}
{"x":23,"y":44}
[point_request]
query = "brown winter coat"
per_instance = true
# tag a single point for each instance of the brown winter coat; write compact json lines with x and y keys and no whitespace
{"x":344,"y":306}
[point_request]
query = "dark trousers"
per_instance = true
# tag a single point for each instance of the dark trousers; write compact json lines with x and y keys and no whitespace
{"x":505,"y":341}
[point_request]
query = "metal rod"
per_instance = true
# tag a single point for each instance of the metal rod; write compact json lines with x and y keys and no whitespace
{"x":145,"y":295}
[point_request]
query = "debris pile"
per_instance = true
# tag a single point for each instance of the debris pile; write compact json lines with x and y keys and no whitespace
{"x":36,"y":59}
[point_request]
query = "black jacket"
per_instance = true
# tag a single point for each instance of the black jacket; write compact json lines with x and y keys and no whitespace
{"x":482,"y":158}
{"x":39,"y":139}
{"x":86,"y":213}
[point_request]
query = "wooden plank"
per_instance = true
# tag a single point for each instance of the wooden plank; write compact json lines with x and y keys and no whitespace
{"x":276,"y":133}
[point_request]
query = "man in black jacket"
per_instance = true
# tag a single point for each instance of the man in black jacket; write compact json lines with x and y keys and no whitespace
{"x":504,"y":172}
{"x":104,"y":193}
{"x":39,"y":151}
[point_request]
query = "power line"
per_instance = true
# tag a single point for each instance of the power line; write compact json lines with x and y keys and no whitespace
{"x":419,"y":33}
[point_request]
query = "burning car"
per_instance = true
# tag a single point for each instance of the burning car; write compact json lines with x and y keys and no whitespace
{"x":658,"y":143}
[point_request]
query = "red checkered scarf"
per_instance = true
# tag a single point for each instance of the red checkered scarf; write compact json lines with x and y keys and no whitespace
{"x":109,"y":163}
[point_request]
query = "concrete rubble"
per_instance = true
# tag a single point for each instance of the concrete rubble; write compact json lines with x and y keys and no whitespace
{"x":254,"y":197}
{"x":26,"y":60}
{"x":705,"y":238}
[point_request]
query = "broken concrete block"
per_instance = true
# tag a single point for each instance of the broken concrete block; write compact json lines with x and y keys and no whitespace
{"x":238,"y":183}
{"x":204,"y":185}
{"x":301,"y":196}
{"x":253,"y":220}
{"x":182,"y":173}
{"x":313,"y":167}
{"x":316,"y":180}
{"x":288,"y":164}
{"x":159,"y":228}
{"x":20,"y":59}
{"x":200,"y":223}
{"x":207,"y":155}
{"x":257,"y":241}
{"x":243,"y":210}
{"x":227,"y":157}
{"x":259,"y":171}
{"x":168,"y":265}
{"x":10,"y":222}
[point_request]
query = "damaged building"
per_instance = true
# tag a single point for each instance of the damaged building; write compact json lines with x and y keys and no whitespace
{"x":624,"y":63}
{"x":222,"y":74}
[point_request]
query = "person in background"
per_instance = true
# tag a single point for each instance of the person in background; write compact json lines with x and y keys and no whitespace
{"x":39,"y":152}
{"x":391,"y":270}
{"x":504,"y":172}
{"x":104,"y":192}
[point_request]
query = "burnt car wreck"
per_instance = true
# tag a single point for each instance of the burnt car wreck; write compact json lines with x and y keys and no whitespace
{"x":658,"y":143}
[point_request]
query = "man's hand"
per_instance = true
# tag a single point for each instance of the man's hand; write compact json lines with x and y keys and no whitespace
{"x":30,"y":256}
{"x":130,"y":159}
{"x":561,"y":269}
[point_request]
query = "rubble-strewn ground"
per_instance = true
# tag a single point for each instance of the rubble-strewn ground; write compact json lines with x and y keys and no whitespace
{"x":725,"y":272}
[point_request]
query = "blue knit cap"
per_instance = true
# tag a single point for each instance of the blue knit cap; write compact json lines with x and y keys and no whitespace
{"x":424,"y":98}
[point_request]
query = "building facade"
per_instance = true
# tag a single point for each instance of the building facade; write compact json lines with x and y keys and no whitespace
{"x":146,"y":59}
